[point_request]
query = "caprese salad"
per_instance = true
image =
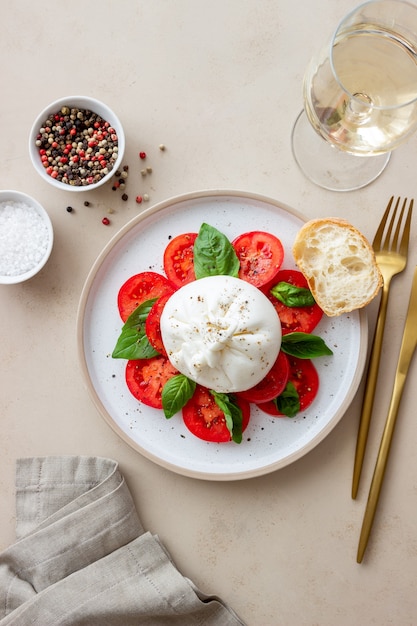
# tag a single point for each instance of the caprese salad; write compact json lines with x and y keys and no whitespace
{"x":224,"y":327}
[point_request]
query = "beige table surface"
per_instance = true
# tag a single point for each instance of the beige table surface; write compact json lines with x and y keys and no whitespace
{"x":219,"y":83}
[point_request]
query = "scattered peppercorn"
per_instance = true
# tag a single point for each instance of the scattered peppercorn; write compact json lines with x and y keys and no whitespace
{"x":162,"y":147}
{"x":149,"y":170}
{"x":125,"y":197}
{"x":86,"y":203}
{"x":142,"y":155}
{"x":139,"y":199}
{"x":69,"y":209}
{"x":125,"y":168}
{"x":145,"y":197}
{"x":105,"y":221}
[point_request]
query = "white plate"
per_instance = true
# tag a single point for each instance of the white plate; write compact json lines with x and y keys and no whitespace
{"x":268,"y":443}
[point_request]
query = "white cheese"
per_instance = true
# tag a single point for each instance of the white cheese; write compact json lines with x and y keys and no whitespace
{"x":221,"y":332}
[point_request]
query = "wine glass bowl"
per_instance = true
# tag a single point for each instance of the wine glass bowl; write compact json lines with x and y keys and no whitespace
{"x":360,"y":96}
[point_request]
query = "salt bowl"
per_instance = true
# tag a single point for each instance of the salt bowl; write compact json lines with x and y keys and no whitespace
{"x":26,"y":237}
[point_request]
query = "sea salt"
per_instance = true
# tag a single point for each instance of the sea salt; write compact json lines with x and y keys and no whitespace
{"x":24,"y":238}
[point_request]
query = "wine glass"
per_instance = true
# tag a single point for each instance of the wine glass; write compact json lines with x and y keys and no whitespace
{"x":360,"y":97}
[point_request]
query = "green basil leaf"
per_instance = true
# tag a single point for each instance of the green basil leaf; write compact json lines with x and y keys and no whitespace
{"x":133,"y":342}
{"x":288,"y":402}
{"x":214,"y":254}
{"x":175,"y":394}
{"x":304,"y":345}
{"x":291,"y":296}
{"x":139,"y":315}
{"x":232,"y":414}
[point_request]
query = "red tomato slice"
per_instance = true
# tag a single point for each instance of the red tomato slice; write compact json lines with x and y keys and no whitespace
{"x":139,"y":288}
{"x":299,"y":318}
{"x":153,"y":324}
{"x":305,"y":379}
{"x":260,"y":255}
{"x":179,"y":259}
{"x":206,"y":420}
{"x":272,"y":385}
{"x":145,"y":379}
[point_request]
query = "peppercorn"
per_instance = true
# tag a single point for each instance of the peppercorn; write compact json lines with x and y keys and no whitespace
{"x":125,"y":197}
{"x":142,"y":155}
{"x":105,"y":221}
{"x":80,"y":140}
{"x":139,"y":199}
{"x":69,"y":209}
{"x":86,"y":203}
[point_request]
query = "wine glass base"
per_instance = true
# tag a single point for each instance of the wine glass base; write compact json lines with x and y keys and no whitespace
{"x":329,"y":167}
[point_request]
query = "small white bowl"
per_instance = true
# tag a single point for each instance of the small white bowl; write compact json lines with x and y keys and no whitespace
{"x":25,"y":243}
{"x":82,"y":103}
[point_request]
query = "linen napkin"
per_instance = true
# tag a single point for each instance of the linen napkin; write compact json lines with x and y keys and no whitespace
{"x":82,"y":557}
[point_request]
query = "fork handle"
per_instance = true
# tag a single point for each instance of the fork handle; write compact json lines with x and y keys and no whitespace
{"x":381,"y":464}
{"x":408,"y":346}
{"x":370,"y":386}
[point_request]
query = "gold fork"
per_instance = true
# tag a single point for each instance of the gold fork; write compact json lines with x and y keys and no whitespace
{"x":391,"y":256}
{"x":408,"y":346}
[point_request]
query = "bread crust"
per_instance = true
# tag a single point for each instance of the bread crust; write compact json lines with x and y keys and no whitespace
{"x":339,"y":285}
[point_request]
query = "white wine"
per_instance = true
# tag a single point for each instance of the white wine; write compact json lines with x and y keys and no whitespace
{"x":364,"y":98}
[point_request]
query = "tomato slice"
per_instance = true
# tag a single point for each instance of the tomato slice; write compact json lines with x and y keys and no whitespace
{"x":206,"y":420}
{"x":305,"y":379}
{"x":261,"y":255}
{"x":272,"y":385}
{"x":179,"y":259}
{"x":299,"y":318}
{"x":145,"y":379}
{"x":139,"y":288}
{"x":153,"y":324}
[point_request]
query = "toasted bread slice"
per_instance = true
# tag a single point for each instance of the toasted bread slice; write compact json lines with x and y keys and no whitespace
{"x":338,"y":263}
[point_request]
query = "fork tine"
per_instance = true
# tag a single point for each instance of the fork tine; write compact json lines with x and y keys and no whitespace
{"x":406,"y":232}
{"x":394,"y":243}
{"x":378,"y":235}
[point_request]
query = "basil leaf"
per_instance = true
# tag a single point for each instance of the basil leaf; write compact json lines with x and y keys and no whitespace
{"x":139,"y":315}
{"x":288,"y":402}
{"x":214,"y":254}
{"x":292,"y":296}
{"x":232,"y":414}
{"x":175,"y":394}
{"x":133,"y":342}
{"x":304,"y":345}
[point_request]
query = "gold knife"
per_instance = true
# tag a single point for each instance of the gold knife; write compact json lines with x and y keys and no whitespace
{"x":408,"y":345}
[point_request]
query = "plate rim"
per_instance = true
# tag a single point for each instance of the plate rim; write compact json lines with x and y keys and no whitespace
{"x":97,"y":402}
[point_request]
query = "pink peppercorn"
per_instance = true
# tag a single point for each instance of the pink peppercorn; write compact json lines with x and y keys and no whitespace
{"x":139,"y":199}
{"x":142,"y":155}
{"x":105,"y":221}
